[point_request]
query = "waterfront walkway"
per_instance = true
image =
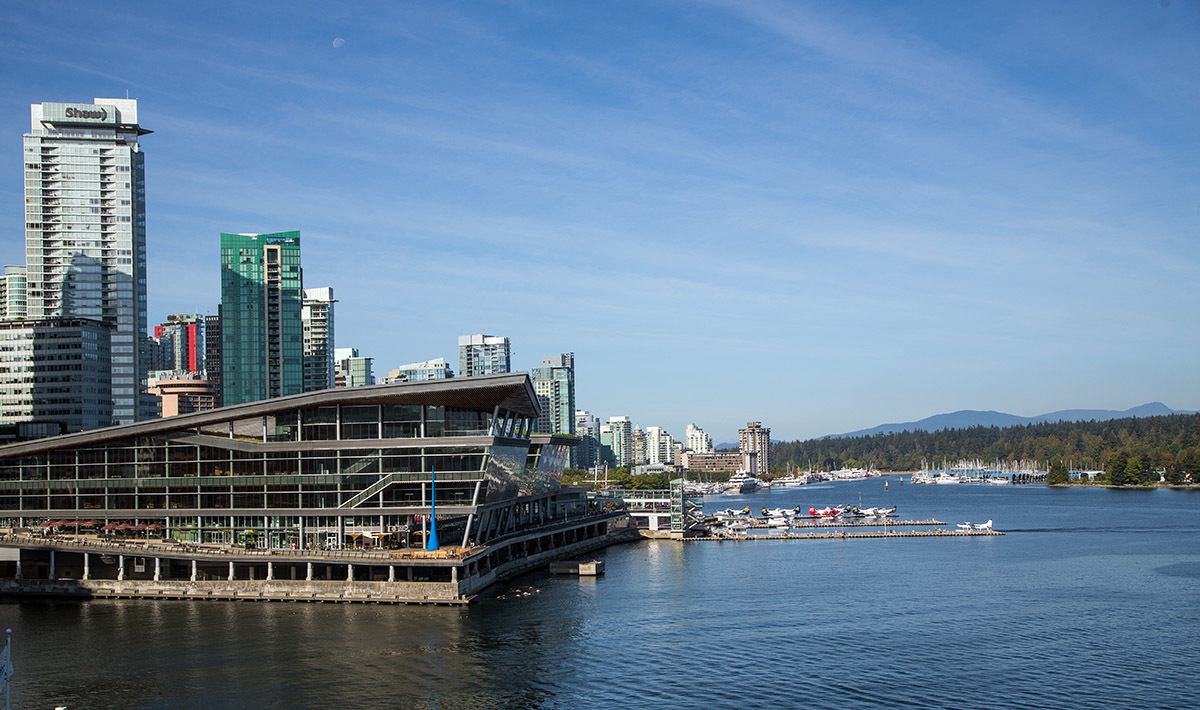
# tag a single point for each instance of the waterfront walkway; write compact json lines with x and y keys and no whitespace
{"x":85,"y":543}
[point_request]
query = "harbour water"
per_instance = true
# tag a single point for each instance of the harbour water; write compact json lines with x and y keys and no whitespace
{"x":1090,"y":600}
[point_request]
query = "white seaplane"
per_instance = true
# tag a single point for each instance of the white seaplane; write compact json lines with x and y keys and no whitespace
{"x":975,"y":526}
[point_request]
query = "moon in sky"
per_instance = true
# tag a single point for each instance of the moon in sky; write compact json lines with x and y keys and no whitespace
{"x":338,"y":42}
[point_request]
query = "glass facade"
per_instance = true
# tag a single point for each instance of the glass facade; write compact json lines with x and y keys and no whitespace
{"x":262,"y":334}
{"x":293,"y":470}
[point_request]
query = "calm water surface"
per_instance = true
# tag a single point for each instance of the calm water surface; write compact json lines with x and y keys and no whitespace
{"x":1091,"y":600}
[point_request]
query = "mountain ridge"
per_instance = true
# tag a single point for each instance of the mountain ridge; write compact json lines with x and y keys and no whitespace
{"x":966,"y":418}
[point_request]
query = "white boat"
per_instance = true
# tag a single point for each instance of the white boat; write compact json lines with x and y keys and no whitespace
{"x":699,"y":488}
{"x":744,"y":482}
{"x":793,"y":480}
{"x":999,"y":481}
{"x":946,"y":478}
{"x":848,"y":474}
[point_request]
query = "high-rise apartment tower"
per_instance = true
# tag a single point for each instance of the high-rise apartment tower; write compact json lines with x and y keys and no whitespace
{"x":756,"y":439}
{"x":587,"y":428}
{"x":554,"y":383}
{"x":85,"y":231}
{"x":622,"y":440}
{"x":698,"y":440}
{"x":317,"y":315}
{"x":13,"y":301}
{"x":212,"y":355}
{"x":483,"y":355}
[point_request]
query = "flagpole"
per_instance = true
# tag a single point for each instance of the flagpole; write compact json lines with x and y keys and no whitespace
{"x":8,"y":671}
{"x":431,"y":543}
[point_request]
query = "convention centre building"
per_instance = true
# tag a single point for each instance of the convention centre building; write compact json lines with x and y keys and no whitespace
{"x":377,"y":468}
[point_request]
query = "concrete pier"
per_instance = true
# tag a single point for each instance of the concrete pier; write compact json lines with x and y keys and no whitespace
{"x":87,"y":568}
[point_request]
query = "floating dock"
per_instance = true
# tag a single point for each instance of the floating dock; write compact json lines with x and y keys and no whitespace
{"x":849,"y":535}
{"x":851,"y":524}
{"x":591,"y":568}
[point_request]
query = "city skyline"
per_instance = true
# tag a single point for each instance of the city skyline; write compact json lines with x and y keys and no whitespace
{"x":823,"y":218}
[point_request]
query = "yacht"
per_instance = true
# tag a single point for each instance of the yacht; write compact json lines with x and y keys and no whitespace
{"x":744,"y":482}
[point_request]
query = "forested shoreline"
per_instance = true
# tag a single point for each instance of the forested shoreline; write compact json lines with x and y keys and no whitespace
{"x":1139,"y":444}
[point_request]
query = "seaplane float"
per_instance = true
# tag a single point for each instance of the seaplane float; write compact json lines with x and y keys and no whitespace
{"x":731,"y":514}
{"x":850,"y":511}
{"x":828,"y":512}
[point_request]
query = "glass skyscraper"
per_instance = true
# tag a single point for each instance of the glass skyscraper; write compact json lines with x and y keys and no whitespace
{"x":262,"y":336}
{"x":85,"y":231}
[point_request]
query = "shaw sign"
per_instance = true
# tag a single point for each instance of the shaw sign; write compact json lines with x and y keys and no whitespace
{"x":82,"y":113}
{"x":72,"y":112}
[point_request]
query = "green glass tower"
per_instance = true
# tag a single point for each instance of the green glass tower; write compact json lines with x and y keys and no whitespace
{"x":262,"y":333}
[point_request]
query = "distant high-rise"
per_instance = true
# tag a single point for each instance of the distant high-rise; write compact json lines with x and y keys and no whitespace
{"x":483,"y":355}
{"x":262,"y":336}
{"x":212,"y":354}
{"x":607,"y":456}
{"x":180,"y":344}
{"x":756,"y":439}
{"x":435,"y":369}
{"x":13,"y":297}
{"x":639,"y":447}
{"x":352,"y":370}
{"x":317,"y":315}
{"x":587,"y":428}
{"x":622,"y":440}
{"x":660,"y":446}
{"x":85,"y":231}
{"x":554,"y":383}
{"x":697,"y":440}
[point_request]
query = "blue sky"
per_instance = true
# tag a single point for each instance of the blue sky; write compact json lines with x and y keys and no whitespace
{"x":823,"y":216}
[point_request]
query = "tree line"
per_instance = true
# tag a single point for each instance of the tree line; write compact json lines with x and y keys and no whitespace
{"x":619,"y":478}
{"x":1128,"y":450}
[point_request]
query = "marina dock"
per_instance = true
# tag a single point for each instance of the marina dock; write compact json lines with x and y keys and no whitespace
{"x":848,"y":535}
{"x":825,"y":523}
